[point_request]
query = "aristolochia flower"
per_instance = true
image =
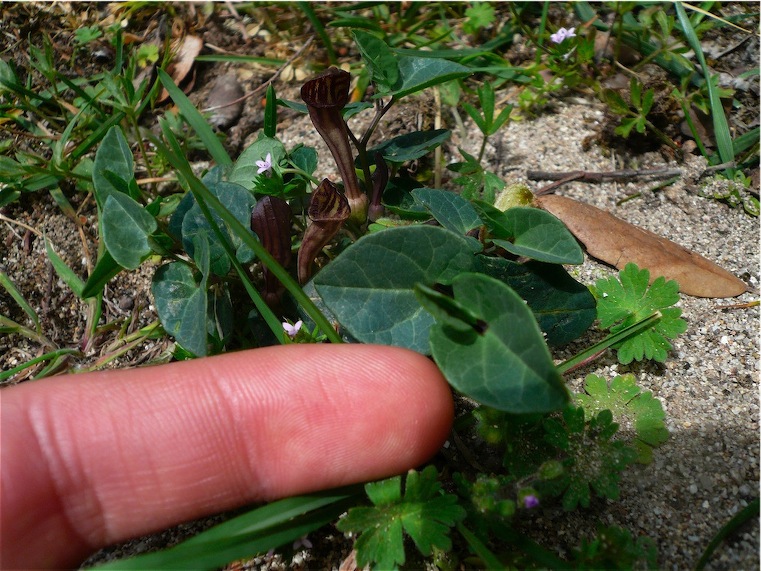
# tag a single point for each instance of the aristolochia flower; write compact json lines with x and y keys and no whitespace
{"x":265,"y":165}
{"x":292,"y":330}
{"x":562,"y":34}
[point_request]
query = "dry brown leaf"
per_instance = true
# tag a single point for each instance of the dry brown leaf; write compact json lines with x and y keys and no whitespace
{"x":182,"y":63}
{"x":617,"y":242}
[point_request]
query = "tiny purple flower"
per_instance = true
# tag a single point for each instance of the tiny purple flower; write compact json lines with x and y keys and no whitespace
{"x":292,"y":330}
{"x":562,"y":34}
{"x":530,"y":501}
{"x":265,"y":166}
{"x":302,"y":542}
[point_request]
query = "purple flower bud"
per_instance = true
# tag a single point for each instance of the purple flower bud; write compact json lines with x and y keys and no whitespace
{"x":271,"y":222}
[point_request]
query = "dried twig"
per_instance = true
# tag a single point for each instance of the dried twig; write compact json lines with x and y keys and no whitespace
{"x":561,"y":178}
{"x":266,"y":84}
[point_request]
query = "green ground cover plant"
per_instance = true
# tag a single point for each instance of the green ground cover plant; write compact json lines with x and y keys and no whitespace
{"x":481,"y":288}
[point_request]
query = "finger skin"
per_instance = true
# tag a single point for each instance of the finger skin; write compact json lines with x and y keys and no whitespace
{"x":96,"y":458}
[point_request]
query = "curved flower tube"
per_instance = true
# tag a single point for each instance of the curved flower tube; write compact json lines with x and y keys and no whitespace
{"x":328,"y":210}
{"x":325,"y":96}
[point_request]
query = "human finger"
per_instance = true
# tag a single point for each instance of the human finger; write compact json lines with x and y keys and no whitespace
{"x":93,"y":459}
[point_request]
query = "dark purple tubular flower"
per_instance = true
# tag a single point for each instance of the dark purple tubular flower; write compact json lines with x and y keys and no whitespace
{"x":326,"y":95}
{"x":271,"y":221}
{"x":380,"y":180}
{"x":328,"y":210}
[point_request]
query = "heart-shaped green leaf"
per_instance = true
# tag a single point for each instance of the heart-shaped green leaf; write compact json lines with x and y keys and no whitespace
{"x":526,"y":231}
{"x":451,"y":210}
{"x":370,"y":286}
{"x":245,"y":169}
{"x":563,"y":307}
{"x":379,"y":59}
{"x":417,"y":73}
{"x":126,"y":228}
{"x":181,"y":304}
{"x":410,"y":146}
{"x":113,"y":156}
{"x":239,"y":202}
{"x":505,"y":364}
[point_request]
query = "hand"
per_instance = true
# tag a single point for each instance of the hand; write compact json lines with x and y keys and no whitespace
{"x":96,"y":458}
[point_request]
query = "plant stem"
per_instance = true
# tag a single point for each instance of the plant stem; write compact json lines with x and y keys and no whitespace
{"x":598,"y":348}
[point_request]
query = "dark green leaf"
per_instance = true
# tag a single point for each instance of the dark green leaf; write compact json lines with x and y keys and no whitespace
{"x":530,"y":232}
{"x":451,"y":210}
{"x":417,"y":73}
{"x":506,"y":366}
{"x":379,"y":58}
{"x":181,"y":304}
{"x":126,"y":228}
{"x":563,"y":307}
{"x":370,"y":286}
{"x":114,"y":156}
{"x":239,"y":202}
{"x":410,"y":146}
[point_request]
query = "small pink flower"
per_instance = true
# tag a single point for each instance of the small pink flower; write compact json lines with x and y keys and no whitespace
{"x":265,"y":166}
{"x":562,"y":34}
{"x":302,"y":541}
{"x":292,"y":330}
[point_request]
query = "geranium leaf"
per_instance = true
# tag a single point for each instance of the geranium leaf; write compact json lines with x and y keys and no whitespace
{"x":424,"y":513}
{"x":624,"y":301}
{"x":639,"y":413}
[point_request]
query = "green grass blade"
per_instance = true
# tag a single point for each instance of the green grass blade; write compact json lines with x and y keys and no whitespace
{"x":196,"y":120}
{"x":256,"y":531}
{"x":234,"y":58}
{"x":748,"y":512}
{"x":487,"y":557}
{"x":6,"y":282}
{"x":608,"y":342}
{"x":319,"y":29}
{"x":64,"y":272}
{"x":53,"y":355}
{"x":720,"y":125}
